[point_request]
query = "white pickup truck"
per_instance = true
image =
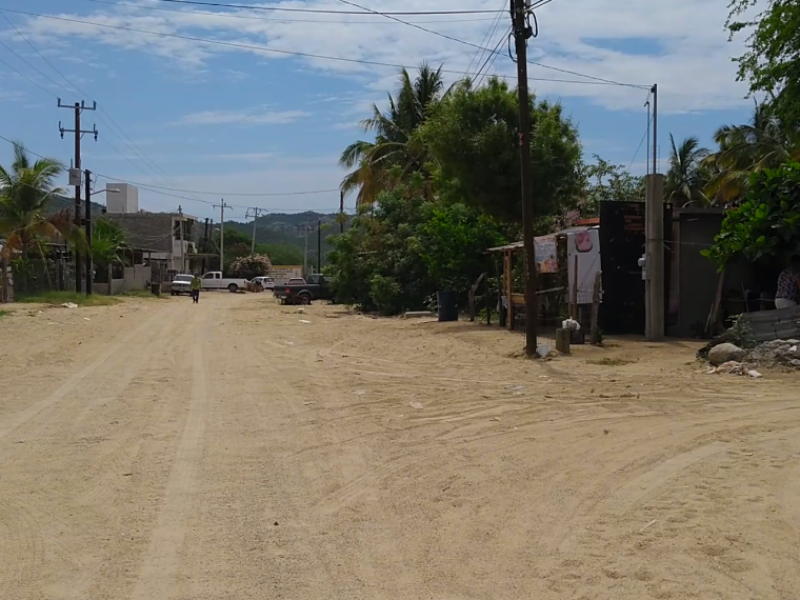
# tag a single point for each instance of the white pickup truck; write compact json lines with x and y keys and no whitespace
{"x":213,"y":280}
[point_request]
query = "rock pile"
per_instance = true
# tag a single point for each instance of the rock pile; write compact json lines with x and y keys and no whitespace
{"x":731,"y":359}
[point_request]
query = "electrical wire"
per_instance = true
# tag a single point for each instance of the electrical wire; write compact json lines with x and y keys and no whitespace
{"x":478,"y":57}
{"x":268,"y":19}
{"x":595,"y":80}
{"x":473,"y":45}
{"x":491,"y":58}
{"x":132,"y":144}
{"x":158,"y":191}
{"x":328,"y":11}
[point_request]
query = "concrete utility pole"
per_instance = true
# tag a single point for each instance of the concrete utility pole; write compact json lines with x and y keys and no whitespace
{"x":654,"y":90}
{"x":180,"y":228}
{"x":222,"y":206}
{"x":256,"y":212}
{"x":522,"y":32}
{"x":654,"y":258}
{"x":75,"y":172}
{"x":647,"y":145}
{"x":305,"y":250}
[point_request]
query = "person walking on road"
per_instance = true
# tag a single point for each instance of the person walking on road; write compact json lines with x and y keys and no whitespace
{"x":195,"y":287}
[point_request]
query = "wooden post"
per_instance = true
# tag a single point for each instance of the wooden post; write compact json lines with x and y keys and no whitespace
{"x":508,"y":269}
{"x":574,"y":310}
{"x":471,"y":296}
{"x":595,"y":336}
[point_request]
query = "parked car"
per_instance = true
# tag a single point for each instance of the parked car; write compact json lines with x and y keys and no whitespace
{"x":266,"y":283}
{"x":316,"y":288}
{"x":182,"y":284}
{"x":279,"y":291}
{"x":213,"y":280}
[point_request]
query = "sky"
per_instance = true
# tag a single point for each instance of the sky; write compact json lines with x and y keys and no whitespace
{"x":196,"y":102}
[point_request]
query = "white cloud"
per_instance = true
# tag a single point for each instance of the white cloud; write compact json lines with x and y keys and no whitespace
{"x":243,"y":117}
{"x":693,"y":70}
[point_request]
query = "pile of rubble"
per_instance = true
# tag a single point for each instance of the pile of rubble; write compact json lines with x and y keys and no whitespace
{"x":731,"y":359}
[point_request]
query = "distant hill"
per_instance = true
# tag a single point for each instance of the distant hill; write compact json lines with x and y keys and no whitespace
{"x":281,"y":228}
{"x":60,"y":203}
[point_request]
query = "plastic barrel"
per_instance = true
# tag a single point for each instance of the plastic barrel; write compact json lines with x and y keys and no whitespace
{"x":448,"y":305}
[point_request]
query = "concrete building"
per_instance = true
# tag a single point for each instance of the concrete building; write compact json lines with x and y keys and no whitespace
{"x":160,"y":233}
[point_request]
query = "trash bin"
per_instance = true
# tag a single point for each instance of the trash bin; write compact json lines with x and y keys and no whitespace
{"x":155,"y":289}
{"x":448,"y":305}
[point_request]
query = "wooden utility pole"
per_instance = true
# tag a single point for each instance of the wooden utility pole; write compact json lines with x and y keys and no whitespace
{"x":87,"y":223}
{"x":522,"y":32}
{"x":256,"y":212}
{"x":319,"y":246}
{"x":341,"y":211}
{"x":654,"y":90}
{"x":75,"y":172}
{"x":222,"y":206}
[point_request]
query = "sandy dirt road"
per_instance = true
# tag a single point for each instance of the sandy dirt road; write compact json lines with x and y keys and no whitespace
{"x":158,"y":450}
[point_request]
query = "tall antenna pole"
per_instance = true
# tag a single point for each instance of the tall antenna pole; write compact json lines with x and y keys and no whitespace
{"x":522,"y":32}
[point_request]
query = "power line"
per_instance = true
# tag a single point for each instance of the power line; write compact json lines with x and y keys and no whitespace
{"x":250,"y":195}
{"x":479,"y":47}
{"x":596,"y":80}
{"x":490,"y":58}
{"x":327,"y":11}
{"x":487,"y":38}
{"x":131,"y":145}
{"x":268,"y":19}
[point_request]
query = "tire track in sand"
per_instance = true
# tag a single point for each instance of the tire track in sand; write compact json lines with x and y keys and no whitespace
{"x":160,"y":565}
{"x":106,"y":354}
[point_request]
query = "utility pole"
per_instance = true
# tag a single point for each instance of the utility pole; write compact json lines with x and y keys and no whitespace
{"x":87,"y":223}
{"x":180,"y":228}
{"x":222,"y":206}
{"x":647,"y":145}
{"x":256,"y":212}
{"x":654,"y":89}
{"x":341,"y":211}
{"x":75,"y":172}
{"x":205,"y":245}
{"x":305,"y":250}
{"x":319,"y":246}
{"x":522,"y":32}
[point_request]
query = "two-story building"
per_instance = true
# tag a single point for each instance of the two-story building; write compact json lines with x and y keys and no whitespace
{"x":160,"y":233}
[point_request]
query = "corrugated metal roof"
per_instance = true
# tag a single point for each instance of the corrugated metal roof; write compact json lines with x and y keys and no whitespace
{"x":767,"y":325}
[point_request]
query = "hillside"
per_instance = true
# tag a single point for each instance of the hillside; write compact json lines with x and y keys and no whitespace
{"x":287,"y":229}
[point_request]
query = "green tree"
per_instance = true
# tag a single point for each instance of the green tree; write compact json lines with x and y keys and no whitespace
{"x":686,"y":179}
{"x":771,"y":61}
{"x":281,"y":254}
{"x":26,"y":189}
{"x":109,"y":244}
{"x":395,"y":152}
{"x":762,"y":143}
{"x":605,"y":182}
{"x":473,"y":138}
{"x":452,"y":241}
{"x":376,"y":264}
{"x":767,"y":223}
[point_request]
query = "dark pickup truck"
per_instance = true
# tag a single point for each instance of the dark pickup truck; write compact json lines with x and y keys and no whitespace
{"x":317,"y":287}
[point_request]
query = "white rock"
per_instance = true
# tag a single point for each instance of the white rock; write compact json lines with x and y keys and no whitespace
{"x":725,"y":353}
{"x":754,"y":373}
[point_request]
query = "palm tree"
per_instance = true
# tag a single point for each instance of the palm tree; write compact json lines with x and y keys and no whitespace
{"x":685,"y":181}
{"x":762,"y":143}
{"x":109,"y":244}
{"x":395,"y":153}
{"x":25,"y":191}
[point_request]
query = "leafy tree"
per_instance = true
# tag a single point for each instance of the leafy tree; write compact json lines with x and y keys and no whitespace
{"x":686,"y":179}
{"x":395,"y":152}
{"x":253,"y":265}
{"x":376,"y":264}
{"x":453,"y":240}
{"x":26,"y":189}
{"x":771,"y":61}
{"x":604,"y":182}
{"x":762,"y":143}
{"x":109,"y":244}
{"x":281,"y":254}
{"x":473,"y":137}
{"x":766,"y":223}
